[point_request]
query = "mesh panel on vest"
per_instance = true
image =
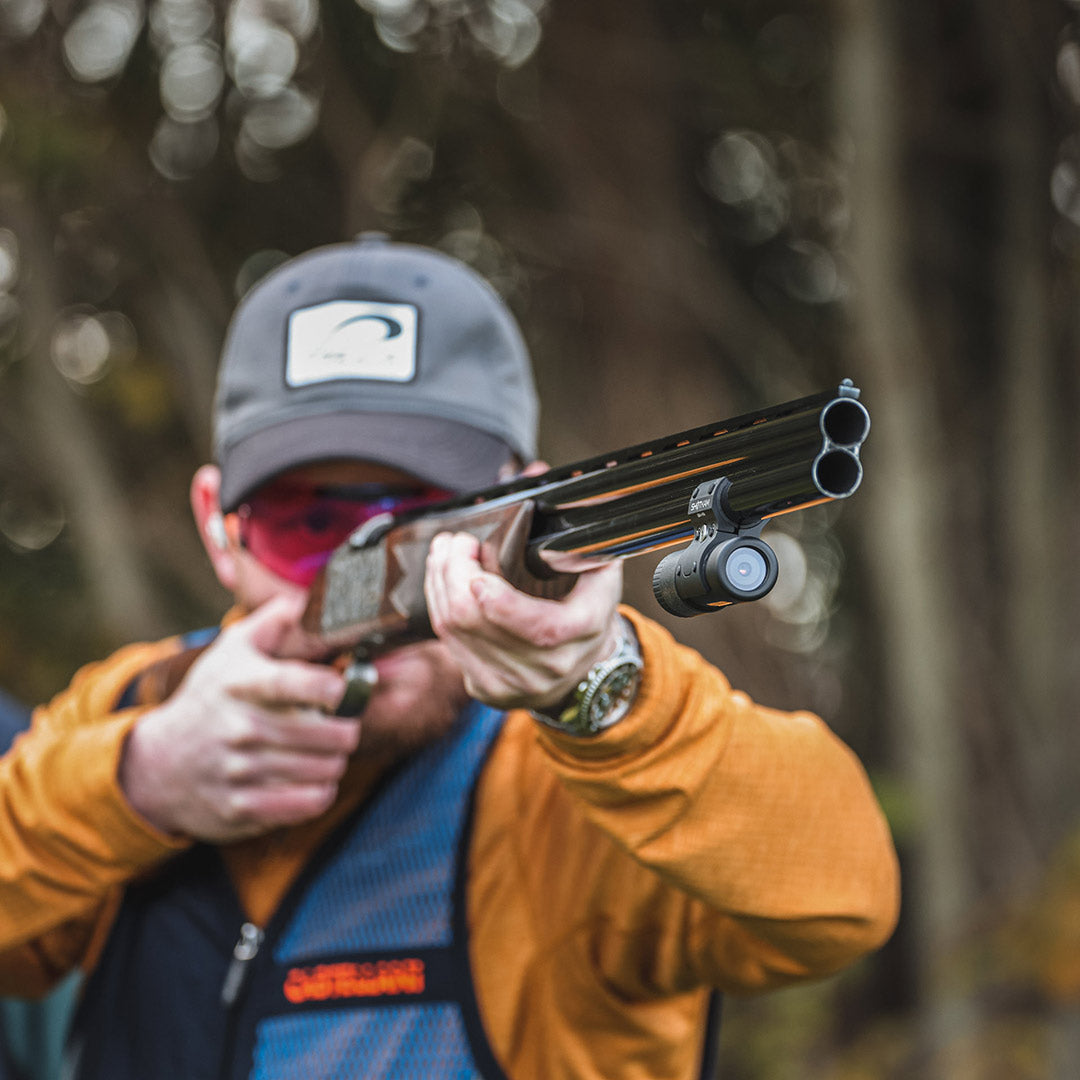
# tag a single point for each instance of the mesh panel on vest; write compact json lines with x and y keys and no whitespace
{"x":391,"y":884}
{"x":411,"y":1042}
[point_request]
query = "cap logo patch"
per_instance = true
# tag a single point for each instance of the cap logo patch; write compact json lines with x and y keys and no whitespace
{"x":351,"y":339}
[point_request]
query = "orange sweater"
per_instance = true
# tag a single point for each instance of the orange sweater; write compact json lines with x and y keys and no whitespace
{"x":704,"y":841}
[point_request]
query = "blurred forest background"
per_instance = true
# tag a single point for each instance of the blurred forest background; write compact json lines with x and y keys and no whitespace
{"x":695,"y":207}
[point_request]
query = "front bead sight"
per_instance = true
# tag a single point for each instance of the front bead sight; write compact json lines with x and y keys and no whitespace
{"x":723,"y":564}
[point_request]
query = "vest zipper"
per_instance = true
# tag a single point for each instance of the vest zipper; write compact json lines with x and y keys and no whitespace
{"x":244,"y":951}
{"x":237,"y":977}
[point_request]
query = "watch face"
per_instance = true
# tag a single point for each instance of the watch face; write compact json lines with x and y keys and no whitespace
{"x":614,"y":696}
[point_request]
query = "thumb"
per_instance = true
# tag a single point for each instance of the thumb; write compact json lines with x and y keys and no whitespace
{"x":274,"y":623}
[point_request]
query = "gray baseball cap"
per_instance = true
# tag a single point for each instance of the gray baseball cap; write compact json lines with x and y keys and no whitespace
{"x":375,"y":351}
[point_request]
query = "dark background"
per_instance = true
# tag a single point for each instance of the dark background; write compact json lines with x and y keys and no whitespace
{"x":695,"y":209}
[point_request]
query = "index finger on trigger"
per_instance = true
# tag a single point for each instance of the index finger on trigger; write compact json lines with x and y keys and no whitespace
{"x":292,"y":682}
{"x":313,"y":731}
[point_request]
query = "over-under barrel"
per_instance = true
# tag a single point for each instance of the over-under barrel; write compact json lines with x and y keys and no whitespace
{"x":613,"y":506}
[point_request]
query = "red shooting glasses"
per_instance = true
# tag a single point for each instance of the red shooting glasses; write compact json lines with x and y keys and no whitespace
{"x":293,"y":528}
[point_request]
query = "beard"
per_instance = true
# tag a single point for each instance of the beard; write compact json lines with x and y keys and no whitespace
{"x":418,"y":697}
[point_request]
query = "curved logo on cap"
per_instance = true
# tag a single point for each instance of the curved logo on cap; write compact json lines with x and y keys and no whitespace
{"x":327,"y":347}
{"x":393,"y":327}
{"x":351,"y":339}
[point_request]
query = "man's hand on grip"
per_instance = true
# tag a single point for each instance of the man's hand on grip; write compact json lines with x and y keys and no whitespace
{"x":245,"y":744}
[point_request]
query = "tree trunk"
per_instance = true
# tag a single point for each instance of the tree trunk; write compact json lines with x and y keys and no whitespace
{"x":903,"y":512}
{"x":72,"y":460}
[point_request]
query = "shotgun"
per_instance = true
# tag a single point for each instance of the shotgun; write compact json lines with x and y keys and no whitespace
{"x":713,"y":487}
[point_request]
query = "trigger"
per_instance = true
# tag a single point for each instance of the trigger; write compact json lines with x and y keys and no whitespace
{"x":361,"y":678}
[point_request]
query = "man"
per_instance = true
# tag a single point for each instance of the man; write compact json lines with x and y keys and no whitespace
{"x":467,"y":880}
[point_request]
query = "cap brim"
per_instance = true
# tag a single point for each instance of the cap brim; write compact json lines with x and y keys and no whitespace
{"x":439,"y":452}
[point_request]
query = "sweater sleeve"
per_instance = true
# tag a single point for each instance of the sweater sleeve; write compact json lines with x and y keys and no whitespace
{"x":763,"y":821}
{"x":68,"y":837}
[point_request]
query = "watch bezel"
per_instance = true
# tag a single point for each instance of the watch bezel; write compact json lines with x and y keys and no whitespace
{"x":626,"y":669}
{"x":579,"y":715}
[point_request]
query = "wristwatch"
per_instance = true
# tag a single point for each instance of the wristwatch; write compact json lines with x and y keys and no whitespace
{"x":606,"y":693}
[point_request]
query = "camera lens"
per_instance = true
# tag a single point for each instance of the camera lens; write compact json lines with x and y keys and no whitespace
{"x":746,"y":569}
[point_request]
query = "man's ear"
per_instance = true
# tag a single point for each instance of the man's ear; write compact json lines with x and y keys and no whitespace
{"x":513,"y":468}
{"x":205,"y":505}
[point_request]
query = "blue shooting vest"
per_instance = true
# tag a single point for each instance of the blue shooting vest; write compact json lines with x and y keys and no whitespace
{"x":362,"y":972}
